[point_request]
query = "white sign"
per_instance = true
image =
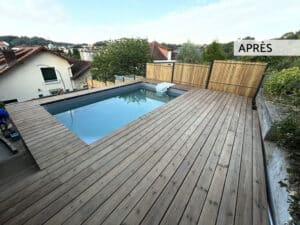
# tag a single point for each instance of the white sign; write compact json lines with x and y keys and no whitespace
{"x":267,"y":48}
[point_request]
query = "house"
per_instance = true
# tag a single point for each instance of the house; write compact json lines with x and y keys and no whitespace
{"x":161,"y":53}
{"x":31,"y":72}
{"x":80,"y":73}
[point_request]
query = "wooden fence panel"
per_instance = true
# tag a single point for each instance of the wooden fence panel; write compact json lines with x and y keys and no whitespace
{"x":95,"y":84}
{"x":236,"y":77}
{"x":191,"y":74}
{"x":160,"y":72}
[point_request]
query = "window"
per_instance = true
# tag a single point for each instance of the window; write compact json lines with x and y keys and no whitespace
{"x":49,"y":74}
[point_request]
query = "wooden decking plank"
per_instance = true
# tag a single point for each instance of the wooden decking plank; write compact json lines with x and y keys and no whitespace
{"x":52,"y":144}
{"x":47,"y":132}
{"x":228,"y":202}
{"x":260,"y":202}
{"x":96,"y":186}
{"x":243,"y":213}
{"x":142,"y":207}
{"x":160,"y":207}
{"x":67,"y":176}
{"x":187,"y":154}
{"x":169,"y":166}
{"x":176,"y":209}
{"x":54,"y":147}
{"x":35,"y":136}
{"x":210,"y":209}
{"x":67,"y":150}
{"x":64,"y":166}
{"x":30,"y":123}
{"x":200,"y":188}
{"x":106,"y":207}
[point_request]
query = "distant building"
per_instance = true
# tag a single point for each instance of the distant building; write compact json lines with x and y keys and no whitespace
{"x":32,"y":72}
{"x":161,"y":53}
{"x":87,"y":54}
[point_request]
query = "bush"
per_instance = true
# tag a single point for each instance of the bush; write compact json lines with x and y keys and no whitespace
{"x":284,"y":86}
{"x":287,"y":131}
{"x":1,"y":104}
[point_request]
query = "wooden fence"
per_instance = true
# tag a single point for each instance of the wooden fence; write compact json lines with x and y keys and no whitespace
{"x":238,"y":77}
{"x":161,"y":72}
{"x":191,"y":74}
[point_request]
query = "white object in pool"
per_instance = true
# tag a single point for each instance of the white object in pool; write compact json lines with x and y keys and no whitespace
{"x":163,"y":87}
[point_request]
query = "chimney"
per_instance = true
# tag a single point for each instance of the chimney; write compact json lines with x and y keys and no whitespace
{"x":169,"y":55}
{"x":9,"y":55}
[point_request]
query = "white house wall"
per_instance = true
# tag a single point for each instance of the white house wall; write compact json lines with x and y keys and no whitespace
{"x":25,"y":81}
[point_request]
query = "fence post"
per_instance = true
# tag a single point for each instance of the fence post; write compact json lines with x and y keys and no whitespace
{"x":173,"y":68}
{"x":209,"y":74}
{"x":258,"y":88}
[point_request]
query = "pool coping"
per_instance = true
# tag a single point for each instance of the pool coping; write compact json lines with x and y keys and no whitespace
{"x":43,"y":134}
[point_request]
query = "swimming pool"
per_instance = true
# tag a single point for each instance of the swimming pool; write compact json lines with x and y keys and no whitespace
{"x":95,"y":116}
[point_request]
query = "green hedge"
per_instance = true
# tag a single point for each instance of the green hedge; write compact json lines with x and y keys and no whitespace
{"x":284,"y":86}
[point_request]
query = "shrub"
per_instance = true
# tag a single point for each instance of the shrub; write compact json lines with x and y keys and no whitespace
{"x":1,"y":104}
{"x":287,"y":131}
{"x":284,"y":86}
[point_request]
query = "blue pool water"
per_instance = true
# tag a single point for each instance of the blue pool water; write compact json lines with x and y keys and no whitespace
{"x":93,"y":121}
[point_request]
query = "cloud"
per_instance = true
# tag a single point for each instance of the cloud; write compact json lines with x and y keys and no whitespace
{"x":224,"y":20}
{"x":31,"y":17}
{"x":31,"y":11}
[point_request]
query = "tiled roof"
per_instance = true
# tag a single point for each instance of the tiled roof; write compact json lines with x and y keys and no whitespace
{"x":21,"y":55}
{"x":24,"y":53}
{"x":79,"y":67}
{"x":158,"y":51}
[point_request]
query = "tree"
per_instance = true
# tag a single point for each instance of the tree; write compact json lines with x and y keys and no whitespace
{"x":100,"y":43}
{"x":120,"y":57}
{"x":29,"y":41}
{"x":214,"y":51}
{"x":189,"y":53}
{"x":75,"y":53}
{"x":171,"y":46}
{"x":228,"y":49}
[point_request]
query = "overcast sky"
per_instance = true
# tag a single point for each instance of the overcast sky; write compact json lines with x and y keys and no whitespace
{"x":200,"y":21}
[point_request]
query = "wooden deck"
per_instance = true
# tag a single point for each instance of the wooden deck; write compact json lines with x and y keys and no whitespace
{"x":196,"y":160}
